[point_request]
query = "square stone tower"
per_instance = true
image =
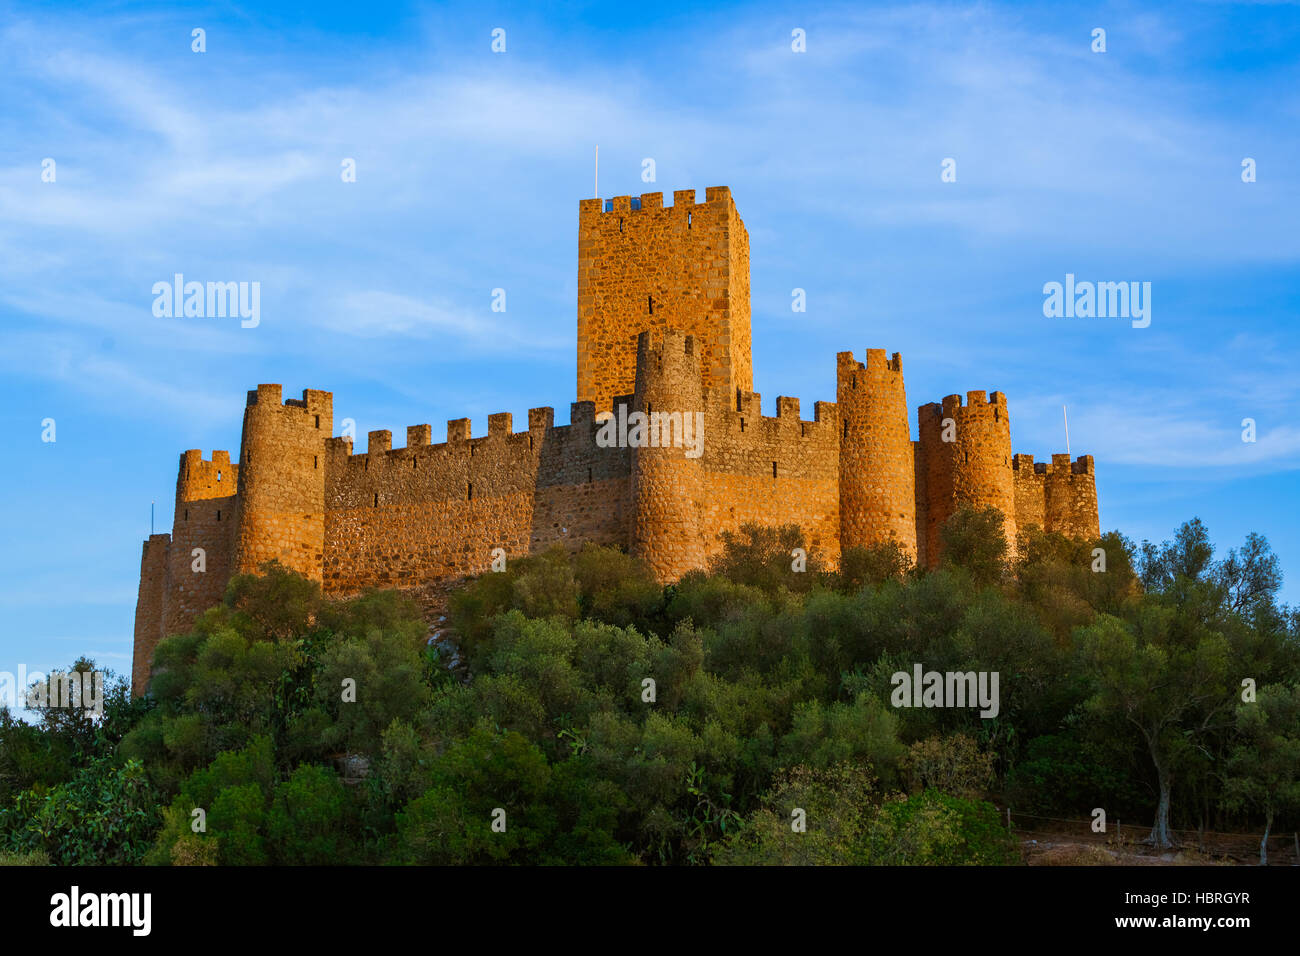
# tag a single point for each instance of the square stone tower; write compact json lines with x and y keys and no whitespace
{"x":644,"y":266}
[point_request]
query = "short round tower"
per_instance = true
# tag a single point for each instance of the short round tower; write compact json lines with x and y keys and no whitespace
{"x":966,"y":452}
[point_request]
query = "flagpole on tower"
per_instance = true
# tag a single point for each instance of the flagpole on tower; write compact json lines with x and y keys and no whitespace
{"x":1066,"y":418}
{"x":597,"y":172}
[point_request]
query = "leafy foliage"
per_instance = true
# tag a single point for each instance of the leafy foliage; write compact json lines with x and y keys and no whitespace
{"x":605,"y":719}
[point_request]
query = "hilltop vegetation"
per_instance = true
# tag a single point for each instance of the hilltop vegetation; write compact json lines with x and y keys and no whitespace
{"x":614,"y":721}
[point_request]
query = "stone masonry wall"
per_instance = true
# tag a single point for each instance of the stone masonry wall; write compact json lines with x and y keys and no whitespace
{"x":150,"y":607}
{"x":413,"y":516}
{"x":1060,"y":496}
{"x":742,"y":450}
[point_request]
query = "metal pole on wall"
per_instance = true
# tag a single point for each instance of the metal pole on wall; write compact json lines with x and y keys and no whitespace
{"x":1066,"y":418}
{"x":151,"y":504}
{"x":597,"y":172}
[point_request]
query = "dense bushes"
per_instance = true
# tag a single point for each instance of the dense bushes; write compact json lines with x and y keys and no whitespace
{"x":607,"y":720}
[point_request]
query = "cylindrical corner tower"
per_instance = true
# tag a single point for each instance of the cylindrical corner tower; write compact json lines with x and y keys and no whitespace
{"x":667,"y":485}
{"x":282,"y":481}
{"x":877,"y":472}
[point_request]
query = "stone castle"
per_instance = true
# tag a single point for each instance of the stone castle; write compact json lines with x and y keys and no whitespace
{"x":664,"y":329}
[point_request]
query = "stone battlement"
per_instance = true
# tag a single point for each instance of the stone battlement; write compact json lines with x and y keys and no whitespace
{"x":663,"y":340}
{"x":683,"y":202}
{"x":1059,"y":465}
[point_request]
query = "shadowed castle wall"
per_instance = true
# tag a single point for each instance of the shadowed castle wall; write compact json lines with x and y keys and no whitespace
{"x":176,"y":583}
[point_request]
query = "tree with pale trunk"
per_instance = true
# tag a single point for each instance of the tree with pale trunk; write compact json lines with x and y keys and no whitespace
{"x":1264,"y":765}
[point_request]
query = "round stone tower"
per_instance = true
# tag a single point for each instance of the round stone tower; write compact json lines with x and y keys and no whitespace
{"x":877,"y":472}
{"x":967,"y":459}
{"x":281,"y":513}
{"x":667,"y":485}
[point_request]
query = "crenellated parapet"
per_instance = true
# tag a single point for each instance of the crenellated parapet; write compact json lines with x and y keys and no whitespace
{"x":197,"y":478}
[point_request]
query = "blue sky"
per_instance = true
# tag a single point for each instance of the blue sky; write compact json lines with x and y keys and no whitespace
{"x":225,"y":166}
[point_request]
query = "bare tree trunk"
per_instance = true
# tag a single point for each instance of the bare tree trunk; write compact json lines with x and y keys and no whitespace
{"x":1160,"y":829}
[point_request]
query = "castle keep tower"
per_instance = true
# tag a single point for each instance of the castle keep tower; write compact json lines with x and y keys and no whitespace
{"x":667,"y":486}
{"x":282,"y":481}
{"x":973,"y":468}
{"x":645,"y":266}
{"x":877,"y":473}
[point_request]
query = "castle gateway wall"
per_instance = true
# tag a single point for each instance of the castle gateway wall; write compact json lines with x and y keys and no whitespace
{"x":663,"y":330}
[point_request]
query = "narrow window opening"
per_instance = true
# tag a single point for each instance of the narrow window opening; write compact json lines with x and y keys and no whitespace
{"x":469,"y":492}
{"x":530,"y":442}
{"x":218,"y":514}
{"x":995,"y":415}
{"x":620,"y":225}
{"x":218,"y":476}
{"x":773,"y":469}
{"x":315,"y":461}
{"x":376,"y":499}
{"x":318,"y":421}
{"x":965,"y":456}
{"x":688,"y":220}
{"x":647,"y":408}
{"x":367,"y":468}
{"x":588,"y":476}
{"x":415,"y":463}
{"x":742,"y":424}
{"x":846,"y":428}
{"x":650,"y":303}
{"x":187,"y":514}
{"x":855,"y":381}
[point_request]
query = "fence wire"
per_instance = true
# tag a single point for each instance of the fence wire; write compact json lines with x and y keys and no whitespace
{"x":1283,"y":848}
